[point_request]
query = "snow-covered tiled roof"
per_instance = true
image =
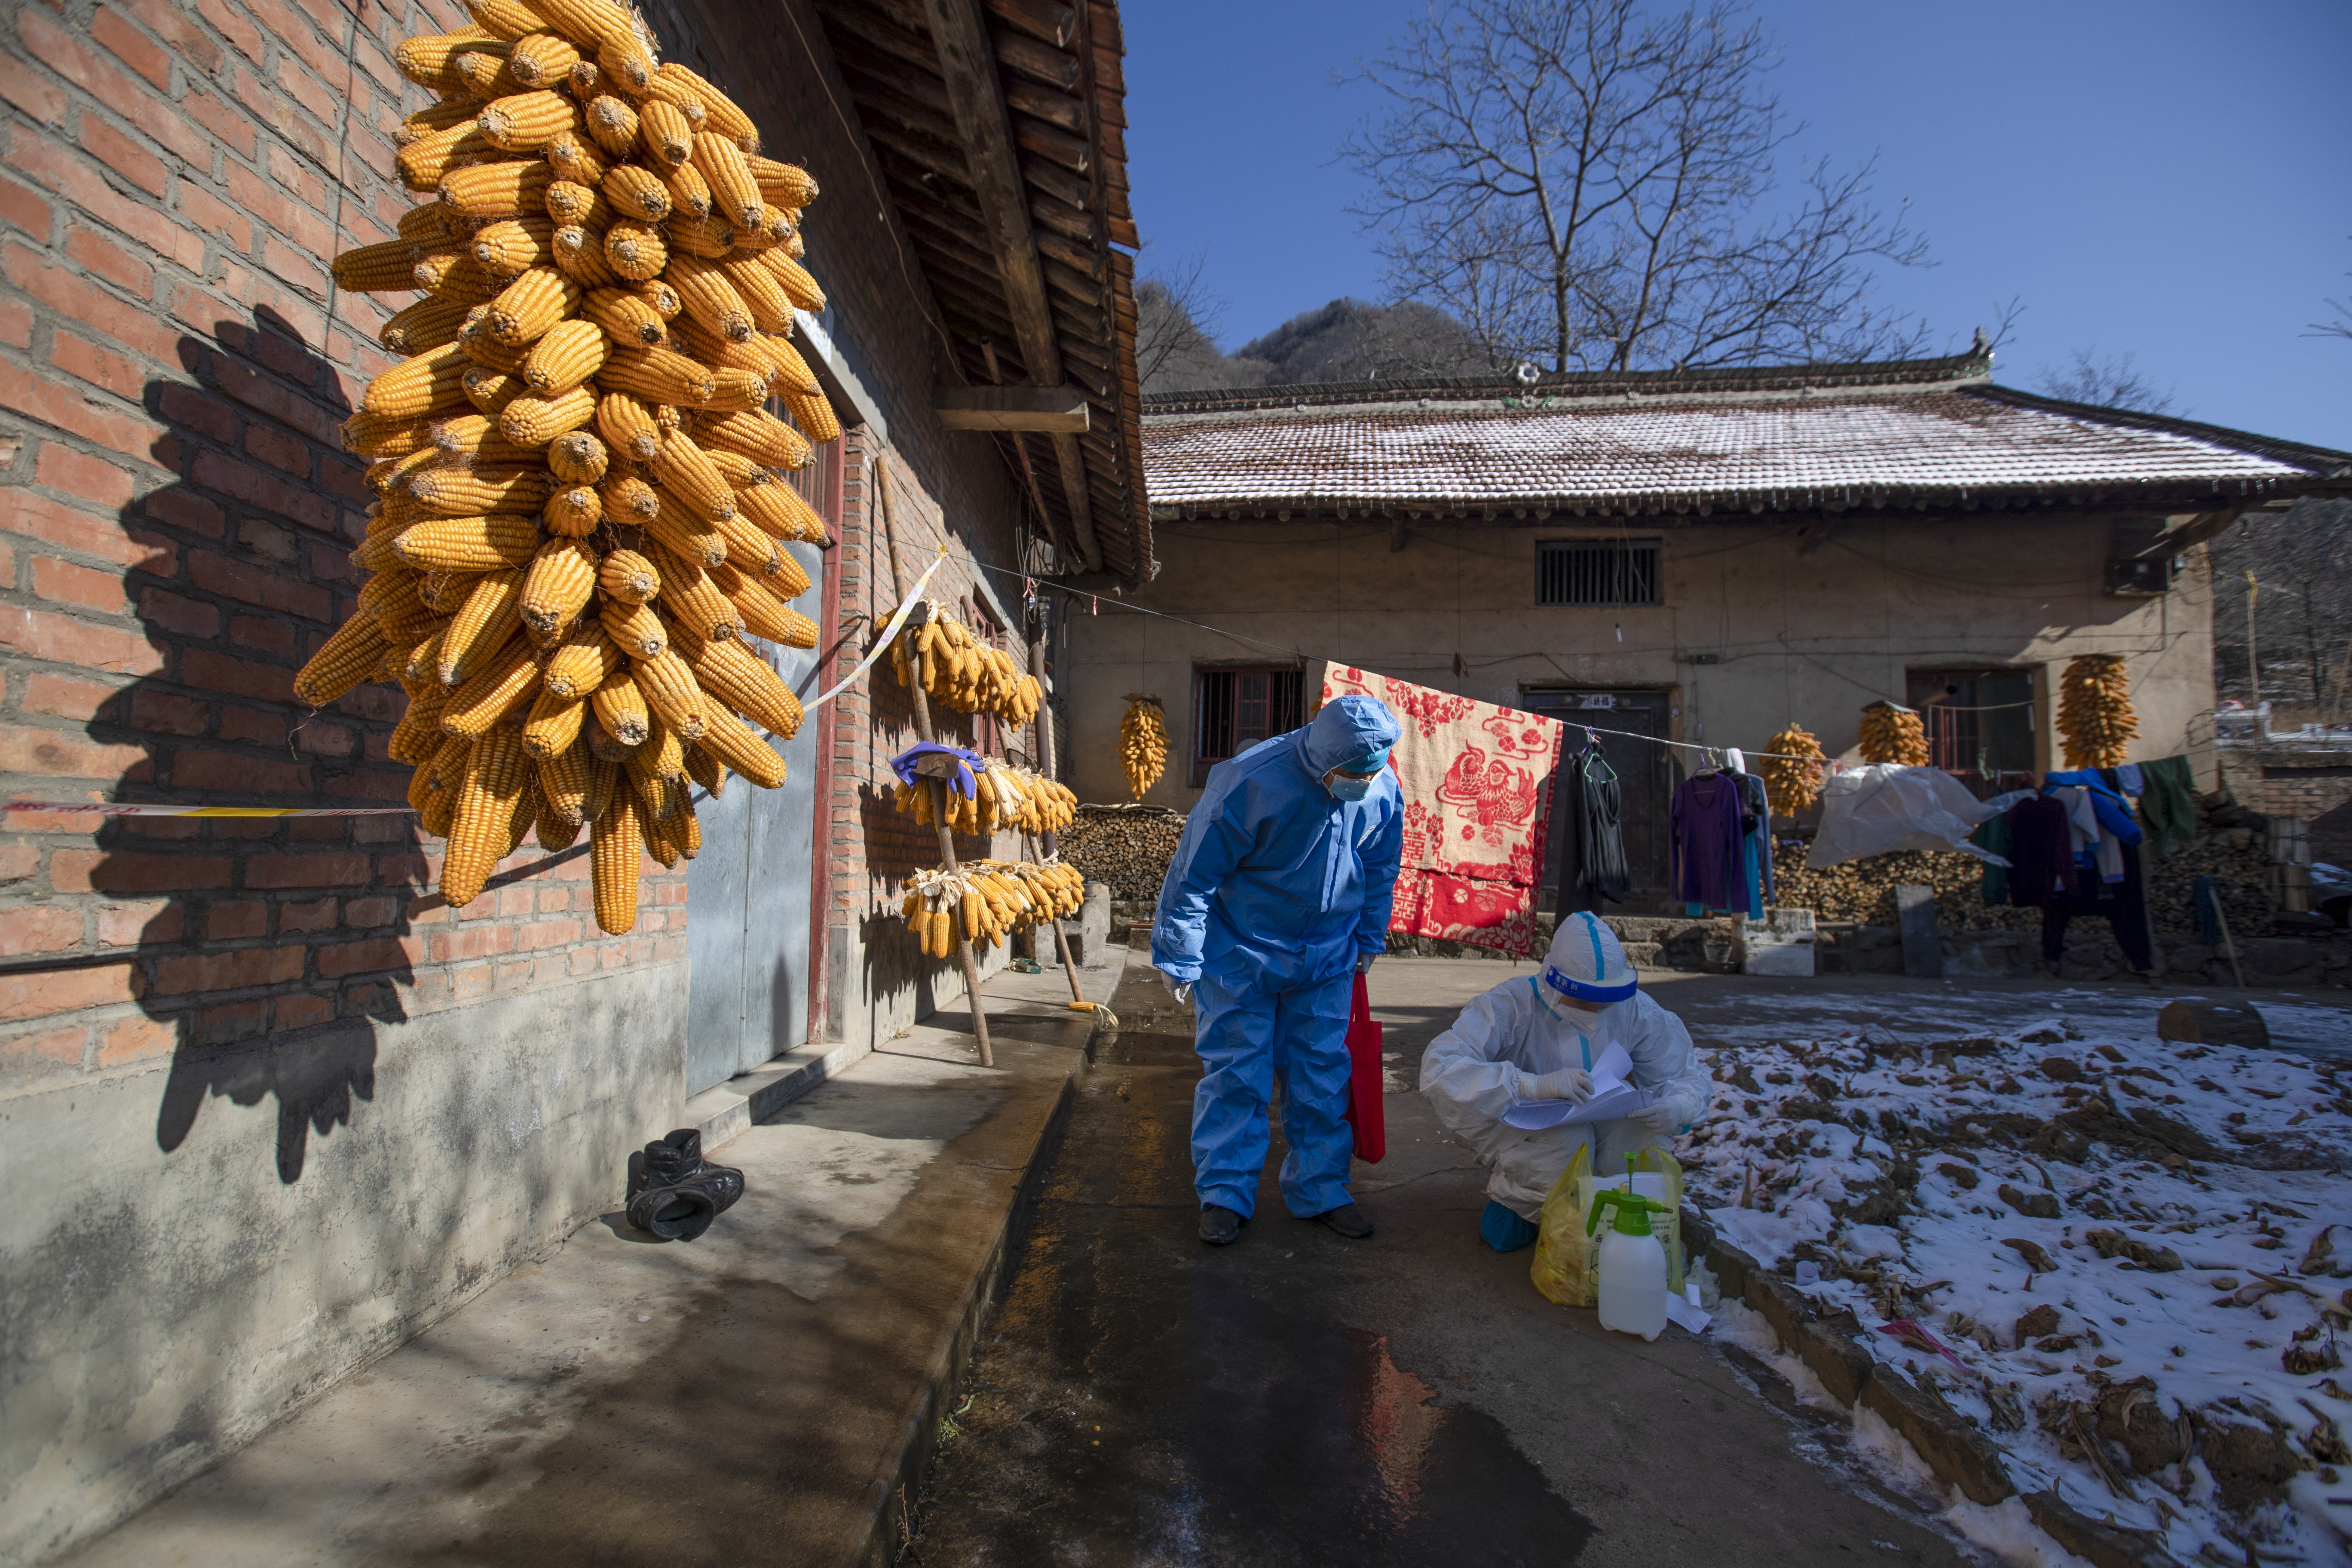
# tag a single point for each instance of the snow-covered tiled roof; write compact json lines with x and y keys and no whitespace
{"x":1763,"y":441}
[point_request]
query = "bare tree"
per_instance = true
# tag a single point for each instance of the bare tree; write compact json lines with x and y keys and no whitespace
{"x":1579,"y":182}
{"x":2108,"y":380}
{"x":1175,"y":317}
{"x":2302,"y":557}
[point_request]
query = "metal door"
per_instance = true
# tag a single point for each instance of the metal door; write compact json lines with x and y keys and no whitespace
{"x":1645,"y":776}
{"x":747,"y":934}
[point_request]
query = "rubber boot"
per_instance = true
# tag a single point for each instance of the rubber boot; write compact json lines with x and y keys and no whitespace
{"x":673,"y":1193}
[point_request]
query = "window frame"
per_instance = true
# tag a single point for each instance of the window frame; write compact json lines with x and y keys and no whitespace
{"x":1656,"y":548}
{"x":1198,"y":765}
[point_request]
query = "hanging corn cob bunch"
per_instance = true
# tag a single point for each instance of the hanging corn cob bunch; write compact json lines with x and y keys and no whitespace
{"x":1142,"y":743}
{"x":1791,"y":787}
{"x":2094,"y":711}
{"x":957,"y":670}
{"x":988,"y":901}
{"x":577,"y":525}
{"x":1892,"y":734}
{"x":1006,"y":797}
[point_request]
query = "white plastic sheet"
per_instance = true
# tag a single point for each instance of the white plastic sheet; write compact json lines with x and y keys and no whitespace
{"x":1882,"y":809}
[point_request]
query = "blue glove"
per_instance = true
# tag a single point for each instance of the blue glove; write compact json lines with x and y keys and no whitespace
{"x":1364,"y":962}
{"x":963,"y":783}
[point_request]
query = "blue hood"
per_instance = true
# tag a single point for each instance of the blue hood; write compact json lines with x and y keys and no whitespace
{"x":1346,"y":729}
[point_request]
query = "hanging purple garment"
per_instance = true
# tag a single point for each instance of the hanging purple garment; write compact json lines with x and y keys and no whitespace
{"x":1707,"y":840}
{"x":2041,"y":853}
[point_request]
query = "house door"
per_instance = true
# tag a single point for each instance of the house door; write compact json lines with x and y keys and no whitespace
{"x":748,"y":895}
{"x":1645,"y":778}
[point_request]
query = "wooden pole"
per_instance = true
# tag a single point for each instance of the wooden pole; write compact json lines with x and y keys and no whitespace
{"x":1044,"y":720}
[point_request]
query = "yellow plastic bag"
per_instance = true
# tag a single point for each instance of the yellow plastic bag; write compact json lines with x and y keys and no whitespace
{"x":1566,"y":1266}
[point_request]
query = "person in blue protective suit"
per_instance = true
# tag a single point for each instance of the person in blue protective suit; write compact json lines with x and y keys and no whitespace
{"x":1277,"y":898}
{"x":1536,"y":1037}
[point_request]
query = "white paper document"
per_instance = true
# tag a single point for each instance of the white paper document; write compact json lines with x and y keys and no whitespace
{"x":1614,"y":1095}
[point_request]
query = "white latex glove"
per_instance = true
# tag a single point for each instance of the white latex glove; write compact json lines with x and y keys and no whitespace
{"x":1658,"y":1118}
{"x":1568,"y":1083}
{"x":1180,"y":989}
{"x":1364,"y":961}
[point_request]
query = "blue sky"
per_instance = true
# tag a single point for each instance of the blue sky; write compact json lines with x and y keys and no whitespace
{"x":2168,"y":179}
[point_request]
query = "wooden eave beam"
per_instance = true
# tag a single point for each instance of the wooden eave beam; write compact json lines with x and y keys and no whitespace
{"x":1045,"y":408}
{"x":967,"y":64}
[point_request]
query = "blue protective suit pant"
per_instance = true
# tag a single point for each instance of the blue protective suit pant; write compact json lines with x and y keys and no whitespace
{"x":1244,"y":1037}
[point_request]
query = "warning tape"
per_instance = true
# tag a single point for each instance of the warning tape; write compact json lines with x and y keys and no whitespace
{"x":111,"y":808}
{"x":889,"y":633}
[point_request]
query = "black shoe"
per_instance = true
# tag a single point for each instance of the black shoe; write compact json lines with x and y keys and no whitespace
{"x":1348,"y":1221}
{"x":673,"y":1192}
{"x":1219,"y":1226}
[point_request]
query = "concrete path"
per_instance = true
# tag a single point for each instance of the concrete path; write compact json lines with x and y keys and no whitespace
{"x":1299,"y":1399}
{"x":754,"y":1396}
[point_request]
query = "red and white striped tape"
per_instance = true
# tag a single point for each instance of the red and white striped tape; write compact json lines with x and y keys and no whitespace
{"x":113,"y":808}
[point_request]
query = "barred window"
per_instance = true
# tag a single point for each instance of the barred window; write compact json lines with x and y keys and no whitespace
{"x":1599,"y":574}
{"x":1234,"y":709}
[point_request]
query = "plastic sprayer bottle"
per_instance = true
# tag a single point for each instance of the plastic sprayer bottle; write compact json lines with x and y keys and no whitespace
{"x":1632,"y":1265}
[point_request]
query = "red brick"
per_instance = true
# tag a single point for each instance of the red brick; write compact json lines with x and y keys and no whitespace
{"x":221,"y":121}
{"x":131,"y":925}
{"x":23,"y":207}
{"x":19,"y":861}
{"x":233,"y":25}
{"x":230,"y":971}
{"x":209,"y":214}
{"x":110,"y":261}
{"x":63,"y":697}
{"x":63,"y":640}
{"x":217,"y":672}
{"x":117,"y":373}
{"x":375,"y":786}
{"x":16,"y":322}
{"x":471,"y":941}
{"x":180,"y":507}
{"x":177,"y":615}
{"x":53,"y":522}
{"x":513,"y":902}
{"x":229,"y":1022}
{"x":549,"y":933}
{"x":404,"y":870}
{"x":217,"y":471}
{"x":136,"y":1040}
{"x":219,"y":574}
{"x":87,"y":477}
{"x":362,"y":913}
{"x":280,"y":213}
{"x":245,"y":724}
{"x":70,"y":409}
{"x":66,"y":172}
{"x":66,"y":754}
{"x":315,"y":914}
{"x":193,"y":409}
{"x":62,"y":582}
{"x":306,"y":871}
{"x":38,"y":928}
{"x":301,"y":1011}
{"x":164,"y":714}
{"x":124,"y":156}
{"x":111,"y":31}
{"x":376,"y":953}
{"x":113,"y":871}
{"x":74,"y":60}
{"x":61,"y":1046}
{"x":240,"y":772}
{"x":279,"y":449}
{"x":306,"y":411}
{"x":31,"y":90}
{"x":242,"y":918}
{"x":58,"y":991}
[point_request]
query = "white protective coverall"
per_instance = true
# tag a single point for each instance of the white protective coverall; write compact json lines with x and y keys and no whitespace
{"x":1472,"y":1073}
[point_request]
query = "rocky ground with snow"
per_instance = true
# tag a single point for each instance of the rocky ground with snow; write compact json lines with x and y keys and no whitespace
{"x":2124,"y":1260}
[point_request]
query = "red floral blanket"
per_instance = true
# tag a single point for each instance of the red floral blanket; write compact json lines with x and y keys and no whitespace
{"x":1477,"y":803}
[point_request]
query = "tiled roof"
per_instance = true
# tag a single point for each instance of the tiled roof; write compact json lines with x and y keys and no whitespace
{"x":1935,"y":433}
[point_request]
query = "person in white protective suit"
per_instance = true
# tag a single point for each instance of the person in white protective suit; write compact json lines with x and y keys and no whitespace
{"x":1536,"y":1037}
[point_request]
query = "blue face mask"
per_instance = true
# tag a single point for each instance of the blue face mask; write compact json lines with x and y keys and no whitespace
{"x":1346,"y":788}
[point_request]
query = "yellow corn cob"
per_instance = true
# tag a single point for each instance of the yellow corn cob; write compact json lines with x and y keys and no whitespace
{"x":481,"y":629}
{"x":658,"y":376}
{"x":344,"y":660}
{"x":532,"y":304}
{"x":690,"y":193}
{"x":788,"y":185}
{"x":734,"y":194}
{"x":706,"y":770}
{"x":591,"y":23}
{"x":542,"y":59}
{"x":620,"y":708}
{"x":468,"y":543}
{"x":472,"y":440}
{"x":419,"y":736}
{"x":491,"y":391}
{"x":798,"y":286}
{"x":692,"y":539}
{"x":432,"y":157}
{"x":424,"y":660}
{"x":464,"y":282}
{"x":483,"y":350}
{"x":391,"y":475}
{"x":375,"y":435}
{"x":562,"y":580}
{"x":685,"y":473}
{"x":587,"y":80}
{"x":793,"y":370}
{"x":634,"y":250}
{"x":762,"y":295}
{"x":720,"y":112}
{"x":578,"y":202}
{"x":673,"y":693}
{"x":432,"y":117}
{"x":577,"y":457}
{"x":813,"y":414}
{"x":504,"y":19}
{"x":516,"y":188}
{"x":786,"y":584}
{"x":484,"y":75}
{"x":392,"y":598}
{"x":527,"y":121}
{"x":416,"y":387}
{"x":774,"y":229}
{"x":739,"y":678}
{"x":563,"y":778}
{"x":694,"y":603}
{"x":512,"y":247}
{"x":505,"y":684}
{"x":749,"y":549}
{"x":612,"y":124}
{"x":627,"y":63}
{"x":730,"y":741}
{"x":554,"y":727}
{"x":661,"y":297}
{"x":568,"y":355}
{"x":651,"y":798}
{"x":627,"y":425}
{"x":580,"y":253}
{"x":576,"y":160}
{"x":636,"y":628}
{"x":554,"y":831}
{"x":758,"y":602}
{"x":586,"y":660}
{"x":627,"y":319}
{"x":437,"y":264}
{"x":535,"y":421}
{"x":427,"y":324}
{"x":759,"y":436}
{"x":706,"y":237}
{"x":496,"y":771}
{"x":573,"y":512}
{"x":385,"y":269}
{"x":463,"y":493}
{"x":629,"y":578}
{"x":664,"y":134}
{"x":629,"y":500}
{"x":691,"y":338}
{"x":736,"y":391}
{"x":685,"y":830}
{"x":429,"y":61}
{"x":615,"y":841}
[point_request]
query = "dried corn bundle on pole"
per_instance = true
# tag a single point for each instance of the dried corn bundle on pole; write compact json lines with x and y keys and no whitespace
{"x":2094,"y":711}
{"x":1790,"y":785}
{"x":581,"y":386}
{"x":1892,"y":734}
{"x":1004,"y":799}
{"x":955,"y":669}
{"x":984,"y":902}
{"x":1142,"y":743}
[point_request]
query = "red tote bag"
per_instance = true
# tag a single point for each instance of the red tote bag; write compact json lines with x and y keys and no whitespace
{"x":1365,"y":1113}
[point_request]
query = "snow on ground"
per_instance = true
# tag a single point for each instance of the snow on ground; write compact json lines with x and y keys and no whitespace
{"x":2079,"y":1221}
